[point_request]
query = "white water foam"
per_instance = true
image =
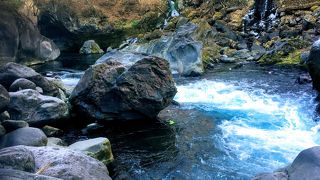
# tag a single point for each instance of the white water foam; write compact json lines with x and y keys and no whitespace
{"x":273,"y":130}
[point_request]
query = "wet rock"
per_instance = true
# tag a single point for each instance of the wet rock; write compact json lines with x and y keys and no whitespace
{"x":4,"y":116}
{"x":22,"y":41}
{"x":21,"y":84}
{"x":18,"y":158}
{"x":313,"y":64}
{"x":36,"y":109}
{"x":12,"y":71}
{"x":52,"y":131}
{"x":226,"y":59}
{"x":90,"y":47}
{"x":272,"y":176}
{"x":55,"y":142}
{"x":304,"y":79}
{"x":306,"y":165}
{"x":10,"y":174}
{"x":110,"y":92}
{"x":304,"y":57}
{"x":4,"y":98}
{"x":91,"y":128}
{"x":24,"y":136}
{"x":11,"y":125}
{"x":68,"y":164}
{"x":98,"y":148}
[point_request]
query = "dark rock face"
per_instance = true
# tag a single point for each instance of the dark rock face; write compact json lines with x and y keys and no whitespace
{"x":10,"y":174}
{"x":36,"y":109}
{"x":13,"y":71}
{"x":11,"y":125}
{"x":18,"y":158}
{"x":306,"y":166}
{"x":110,"y":92}
{"x":314,"y":64}
{"x":21,"y":84}
{"x":24,"y":136}
{"x":22,"y":41}
{"x":4,"y":98}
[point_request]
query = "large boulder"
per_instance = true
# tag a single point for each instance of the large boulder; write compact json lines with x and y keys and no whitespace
{"x":90,"y":47}
{"x":49,"y":163}
{"x":21,"y":40}
{"x":306,"y":165}
{"x":4,"y":98}
{"x":314,"y":64}
{"x":11,"y":125}
{"x":98,"y":148}
{"x":21,"y":84}
{"x":24,"y":136}
{"x":36,"y":109}
{"x":110,"y":92}
{"x":10,"y":72}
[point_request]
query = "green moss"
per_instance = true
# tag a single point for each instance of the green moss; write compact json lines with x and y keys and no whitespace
{"x":293,"y":59}
{"x":210,"y":54}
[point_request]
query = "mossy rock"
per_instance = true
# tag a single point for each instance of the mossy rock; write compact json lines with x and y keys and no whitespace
{"x":293,"y":59}
{"x":210,"y":54}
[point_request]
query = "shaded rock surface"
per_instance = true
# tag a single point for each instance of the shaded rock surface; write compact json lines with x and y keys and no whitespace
{"x":22,"y":42}
{"x":314,"y":64}
{"x":18,"y":158}
{"x":4,"y":98}
{"x":36,"y":109}
{"x":21,"y":84}
{"x":10,"y":174}
{"x":90,"y":47}
{"x":11,"y":125}
{"x":24,"y":136}
{"x":98,"y":148}
{"x":110,"y":92}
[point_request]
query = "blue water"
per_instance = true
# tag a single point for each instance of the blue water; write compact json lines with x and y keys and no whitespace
{"x":256,"y":131}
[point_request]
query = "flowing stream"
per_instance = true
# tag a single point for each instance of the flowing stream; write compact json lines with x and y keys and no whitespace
{"x":231,"y":124}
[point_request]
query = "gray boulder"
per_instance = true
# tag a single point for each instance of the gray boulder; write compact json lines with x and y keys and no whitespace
{"x":22,"y":41}
{"x":55,"y":142}
{"x":21,"y":84}
{"x":11,"y":125}
{"x":36,"y":109}
{"x":18,"y":158}
{"x":12,"y":71}
{"x":98,"y":148}
{"x":110,"y":92}
{"x":68,"y":164}
{"x":180,"y":49}
{"x":4,"y":98}
{"x":314,"y":64}
{"x":10,"y":174}
{"x":24,"y":136}
{"x":90,"y":47}
{"x":306,"y":165}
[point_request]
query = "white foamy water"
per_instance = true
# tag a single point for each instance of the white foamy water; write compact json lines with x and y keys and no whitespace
{"x":263,"y":131}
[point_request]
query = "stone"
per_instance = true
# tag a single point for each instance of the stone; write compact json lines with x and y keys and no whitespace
{"x":55,"y":142}
{"x":272,"y":176}
{"x":306,"y":165}
{"x":90,"y":47}
{"x":68,"y":164}
{"x":4,"y":98}
{"x":313,"y":64}
{"x":11,"y":125}
{"x":13,"y":71}
{"x":109,"y":91}
{"x":10,"y":174}
{"x":304,"y":79}
{"x":226,"y":59}
{"x":36,"y":109}
{"x":22,"y":41}
{"x":2,"y":131}
{"x":98,"y":148}
{"x":52,"y":131}
{"x":18,"y":158}
{"x":24,"y":136}
{"x":91,"y":128}
{"x":21,"y":84}
{"x":4,"y":116}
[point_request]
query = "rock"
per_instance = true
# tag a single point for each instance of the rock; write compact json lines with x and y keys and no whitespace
{"x":226,"y":59}
{"x":304,"y":57}
{"x":12,"y":71}
{"x":24,"y":136}
{"x":313,"y":64}
{"x":90,"y":47}
{"x":2,"y":131}
{"x":10,"y":174}
{"x":11,"y":125}
{"x":4,"y":98}
{"x":98,"y":148}
{"x":304,"y":79}
{"x":68,"y":164}
{"x":21,"y":84}
{"x":272,"y":176}
{"x":22,"y":41}
{"x":55,"y":142}
{"x":306,"y":165}
{"x":52,"y":131}
{"x":93,"y":127}
{"x":110,"y":92}
{"x":36,"y":109}
{"x":17,"y":158}
{"x":4,"y":116}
